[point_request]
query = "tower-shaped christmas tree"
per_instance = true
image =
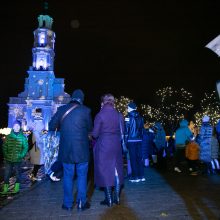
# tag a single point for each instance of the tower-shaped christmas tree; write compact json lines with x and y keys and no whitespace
{"x":43,"y":93}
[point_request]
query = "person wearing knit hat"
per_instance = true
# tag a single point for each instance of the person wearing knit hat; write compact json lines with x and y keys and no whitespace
{"x":78,"y":96}
{"x":134,"y":129}
{"x":74,"y":122}
{"x":132,"y":106}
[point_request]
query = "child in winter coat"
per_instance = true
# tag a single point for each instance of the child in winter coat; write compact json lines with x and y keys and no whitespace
{"x":192,"y":155}
{"x":15,"y":148}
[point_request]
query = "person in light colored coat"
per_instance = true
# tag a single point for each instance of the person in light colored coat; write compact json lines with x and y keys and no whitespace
{"x":36,"y":153}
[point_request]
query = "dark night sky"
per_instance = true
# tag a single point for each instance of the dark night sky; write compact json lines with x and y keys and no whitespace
{"x":129,"y":48}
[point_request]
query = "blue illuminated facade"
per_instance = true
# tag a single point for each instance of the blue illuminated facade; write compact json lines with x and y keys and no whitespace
{"x":43,"y":93}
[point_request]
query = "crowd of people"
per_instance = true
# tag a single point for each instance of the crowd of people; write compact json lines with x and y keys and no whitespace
{"x":65,"y":150}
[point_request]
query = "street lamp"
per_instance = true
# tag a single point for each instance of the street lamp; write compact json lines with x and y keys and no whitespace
{"x":214,"y":45}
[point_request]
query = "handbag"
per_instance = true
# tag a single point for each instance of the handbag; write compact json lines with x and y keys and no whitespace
{"x":123,"y":144}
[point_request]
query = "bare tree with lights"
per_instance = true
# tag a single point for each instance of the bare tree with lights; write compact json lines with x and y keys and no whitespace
{"x":121,"y":104}
{"x":171,"y":106}
{"x":210,"y":106}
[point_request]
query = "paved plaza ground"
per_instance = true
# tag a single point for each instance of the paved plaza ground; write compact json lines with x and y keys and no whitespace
{"x":164,"y":195}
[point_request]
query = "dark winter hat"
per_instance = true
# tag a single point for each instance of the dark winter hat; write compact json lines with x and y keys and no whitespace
{"x":16,"y":122}
{"x":132,"y":105}
{"x":78,"y":95}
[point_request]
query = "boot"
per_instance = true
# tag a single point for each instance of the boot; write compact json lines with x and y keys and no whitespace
{"x":16,"y":188}
{"x":5,"y":189}
{"x":108,"y":197}
{"x":117,"y":191}
{"x":117,"y":194}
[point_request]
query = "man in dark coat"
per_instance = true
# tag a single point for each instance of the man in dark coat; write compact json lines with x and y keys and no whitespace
{"x":134,"y":129}
{"x":74,"y":147}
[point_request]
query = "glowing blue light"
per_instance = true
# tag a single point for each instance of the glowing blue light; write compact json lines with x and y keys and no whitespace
{"x":42,"y":38}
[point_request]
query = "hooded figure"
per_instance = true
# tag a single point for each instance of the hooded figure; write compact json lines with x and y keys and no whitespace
{"x":183,"y":133}
{"x":160,"y":143}
{"x":182,"y":136}
{"x":205,"y":139}
{"x":160,"y":136}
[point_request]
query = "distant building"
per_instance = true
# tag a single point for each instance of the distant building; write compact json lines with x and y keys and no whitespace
{"x":43,"y":93}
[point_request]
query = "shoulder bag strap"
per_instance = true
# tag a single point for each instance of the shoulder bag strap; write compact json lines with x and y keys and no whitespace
{"x":67,"y":112}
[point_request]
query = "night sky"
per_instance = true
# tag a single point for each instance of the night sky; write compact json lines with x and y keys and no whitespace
{"x":129,"y":48}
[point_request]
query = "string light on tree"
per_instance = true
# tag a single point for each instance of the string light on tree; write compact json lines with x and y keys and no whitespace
{"x":172,"y":105}
{"x":121,"y":104}
{"x":209,"y":106}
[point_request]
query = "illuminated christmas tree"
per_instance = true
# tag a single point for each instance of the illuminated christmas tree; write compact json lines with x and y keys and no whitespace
{"x":171,"y":106}
{"x":121,"y":104}
{"x":209,"y":106}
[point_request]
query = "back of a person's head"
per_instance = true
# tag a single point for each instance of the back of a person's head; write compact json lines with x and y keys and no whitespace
{"x":183,"y":123}
{"x":78,"y":96}
{"x":108,"y":99}
{"x":132,"y":107}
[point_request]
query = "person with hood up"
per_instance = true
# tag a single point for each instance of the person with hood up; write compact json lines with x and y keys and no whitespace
{"x":74,"y":122}
{"x":160,"y":143}
{"x":182,"y":136}
{"x":134,"y":129}
{"x":148,"y":144}
{"x":205,"y":142}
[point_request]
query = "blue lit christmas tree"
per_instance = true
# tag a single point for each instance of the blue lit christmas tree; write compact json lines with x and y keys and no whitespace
{"x":43,"y":93}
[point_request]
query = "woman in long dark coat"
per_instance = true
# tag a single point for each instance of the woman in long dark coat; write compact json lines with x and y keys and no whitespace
{"x":108,"y":159}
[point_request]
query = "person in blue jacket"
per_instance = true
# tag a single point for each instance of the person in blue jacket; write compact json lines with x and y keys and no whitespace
{"x":182,"y":136}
